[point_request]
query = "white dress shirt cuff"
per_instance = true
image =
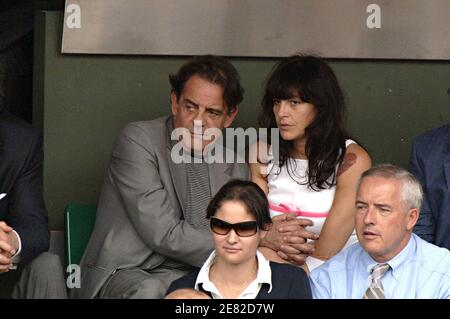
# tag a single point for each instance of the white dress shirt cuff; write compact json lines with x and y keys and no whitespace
{"x":16,"y":257}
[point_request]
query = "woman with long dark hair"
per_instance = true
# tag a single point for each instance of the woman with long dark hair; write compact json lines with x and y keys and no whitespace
{"x":314,"y":171}
{"x":239,"y":218}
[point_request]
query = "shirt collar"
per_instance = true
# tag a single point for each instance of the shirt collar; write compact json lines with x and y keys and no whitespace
{"x":397,"y":262}
{"x":203,"y":277}
{"x":264,"y":276}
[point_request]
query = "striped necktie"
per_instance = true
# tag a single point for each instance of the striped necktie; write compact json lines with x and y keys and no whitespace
{"x":376,"y":290}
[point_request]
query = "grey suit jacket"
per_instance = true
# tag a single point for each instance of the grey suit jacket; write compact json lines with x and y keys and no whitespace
{"x":140,"y":211}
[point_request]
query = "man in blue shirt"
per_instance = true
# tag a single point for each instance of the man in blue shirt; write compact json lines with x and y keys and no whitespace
{"x":389,"y":261}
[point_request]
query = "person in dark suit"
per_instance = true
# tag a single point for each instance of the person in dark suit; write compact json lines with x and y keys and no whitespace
{"x":430,"y":164}
{"x":239,"y":219}
{"x":26,"y":269}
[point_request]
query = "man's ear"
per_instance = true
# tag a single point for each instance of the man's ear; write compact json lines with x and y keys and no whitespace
{"x":174,"y":103}
{"x":412,"y":217}
{"x":230,"y":117}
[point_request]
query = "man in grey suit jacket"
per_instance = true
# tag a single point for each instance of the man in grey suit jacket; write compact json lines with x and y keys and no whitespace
{"x":151,"y":227}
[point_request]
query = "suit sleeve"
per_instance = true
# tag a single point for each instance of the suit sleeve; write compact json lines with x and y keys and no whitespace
{"x":300,"y":286}
{"x":134,"y":170}
{"x":28,"y":215}
{"x":425,"y":224}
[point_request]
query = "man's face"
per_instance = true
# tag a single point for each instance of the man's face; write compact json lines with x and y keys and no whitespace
{"x":200,"y":101}
{"x":383,"y":225}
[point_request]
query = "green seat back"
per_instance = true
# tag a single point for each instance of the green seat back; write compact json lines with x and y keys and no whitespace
{"x":80,"y":220}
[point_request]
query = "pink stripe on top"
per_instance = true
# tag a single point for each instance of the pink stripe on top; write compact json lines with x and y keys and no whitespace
{"x":282,"y":208}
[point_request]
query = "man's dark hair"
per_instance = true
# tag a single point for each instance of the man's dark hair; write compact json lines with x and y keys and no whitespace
{"x":247,"y":193}
{"x":215,"y":69}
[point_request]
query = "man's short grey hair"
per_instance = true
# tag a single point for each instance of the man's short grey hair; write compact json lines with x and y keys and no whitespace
{"x":411,"y":192}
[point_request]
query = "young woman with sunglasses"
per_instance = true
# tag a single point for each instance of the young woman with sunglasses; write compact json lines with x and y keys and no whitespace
{"x":239,"y":218}
{"x":314,"y":172}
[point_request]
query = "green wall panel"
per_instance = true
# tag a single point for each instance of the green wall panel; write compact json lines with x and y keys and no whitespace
{"x":82,"y":101}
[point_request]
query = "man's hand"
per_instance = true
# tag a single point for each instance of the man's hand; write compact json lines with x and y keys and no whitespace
{"x":288,"y":238}
{"x":8,"y":246}
{"x":295,"y":250}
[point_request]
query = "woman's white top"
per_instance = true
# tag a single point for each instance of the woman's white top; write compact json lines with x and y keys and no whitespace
{"x":287,"y":195}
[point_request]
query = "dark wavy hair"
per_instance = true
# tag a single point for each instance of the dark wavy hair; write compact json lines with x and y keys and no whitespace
{"x":314,"y":82}
{"x":215,"y":69}
{"x":247,"y":193}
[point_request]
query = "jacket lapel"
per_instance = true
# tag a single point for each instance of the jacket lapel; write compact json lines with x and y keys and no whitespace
{"x":177,"y":172}
{"x":447,"y":175}
{"x":178,"y":175}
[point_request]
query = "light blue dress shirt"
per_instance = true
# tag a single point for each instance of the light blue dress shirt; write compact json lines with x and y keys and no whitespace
{"x":420,"y":270}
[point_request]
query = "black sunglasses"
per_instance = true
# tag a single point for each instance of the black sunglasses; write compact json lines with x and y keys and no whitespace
{"x":244,"y":229}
